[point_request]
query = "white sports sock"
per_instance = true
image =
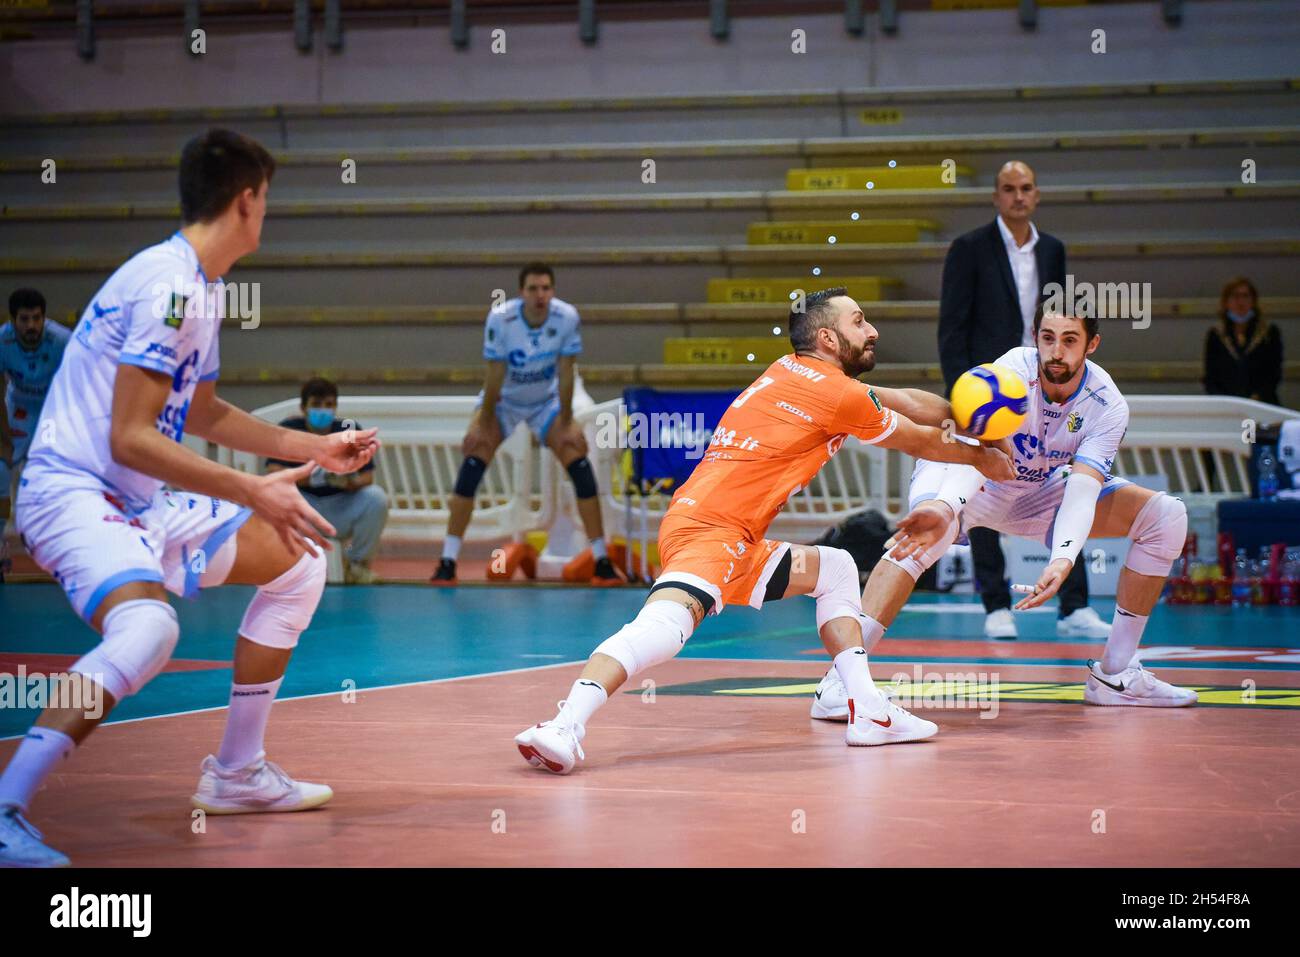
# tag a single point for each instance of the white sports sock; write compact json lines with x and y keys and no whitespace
{"x":32,"y":763}
{"x":250,"y":709}
{"x":585,"y":698}
{"x":853,"y":670}
{"x":451,"y":548}
{"x":598,"y":548}
{"x":872,"y":632}
{"x":1121,"y":647}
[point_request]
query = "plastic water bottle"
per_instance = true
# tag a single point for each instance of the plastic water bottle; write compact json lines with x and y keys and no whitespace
{"x":1288,"y":588}
{"x":1202,"y":582}
{"x":1269,"y":477}
{"x":1241,"y":570}
{"x":1259,"y":590}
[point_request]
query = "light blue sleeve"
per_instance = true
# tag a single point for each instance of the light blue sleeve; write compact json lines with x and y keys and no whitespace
{"x":572,"y":344}
{"x":493,"y":345}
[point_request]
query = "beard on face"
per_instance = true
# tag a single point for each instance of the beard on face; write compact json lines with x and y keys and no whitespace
{"x":854,"y":361}
{"x":1058,"y":377}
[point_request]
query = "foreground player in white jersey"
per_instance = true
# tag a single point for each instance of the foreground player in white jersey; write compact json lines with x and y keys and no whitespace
{"x":1077,"y":418}
{"x":141,"y":368}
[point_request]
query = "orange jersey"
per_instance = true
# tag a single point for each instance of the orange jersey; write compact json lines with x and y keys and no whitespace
{"x":774,"y":438}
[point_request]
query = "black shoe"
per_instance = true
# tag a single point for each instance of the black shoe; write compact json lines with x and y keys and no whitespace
{"x":606,"y":573}
{"x":446,"y":573}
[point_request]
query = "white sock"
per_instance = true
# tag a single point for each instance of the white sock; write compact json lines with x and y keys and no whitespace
{"x":1121,"y":647}
{"x":852,"y":666}
{"x":585,"y":698}
{"x":872,"y":632}
{"x":32,"y":763}
{"x":451,"y":547}
{"x":598,"y":548}
{"x":250,"y":709}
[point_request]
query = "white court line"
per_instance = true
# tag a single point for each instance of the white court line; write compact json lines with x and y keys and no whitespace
{"x":331,"y":694}
{"x":974,"y":608}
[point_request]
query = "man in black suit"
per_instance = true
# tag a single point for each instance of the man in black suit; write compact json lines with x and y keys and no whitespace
{"x":993,"y":279}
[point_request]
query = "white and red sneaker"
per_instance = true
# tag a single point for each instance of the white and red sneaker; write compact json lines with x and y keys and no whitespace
{"x":1135,"y":687}
{"x":883,"y":722}
{"x":554,"y":745}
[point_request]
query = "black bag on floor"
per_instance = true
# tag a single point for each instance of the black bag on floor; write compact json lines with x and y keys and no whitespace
{"x":863,"y":536}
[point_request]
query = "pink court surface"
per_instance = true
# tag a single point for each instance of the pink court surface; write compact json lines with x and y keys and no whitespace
{"x":708,"y":760}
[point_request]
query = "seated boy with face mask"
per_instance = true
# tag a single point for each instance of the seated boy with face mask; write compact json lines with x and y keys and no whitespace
{"x":352,"y":503}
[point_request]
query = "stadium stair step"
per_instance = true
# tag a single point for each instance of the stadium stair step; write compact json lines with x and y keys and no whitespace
{"x":782,"y":290}
{"x":842,"y":231}
{"x":937,"y":176}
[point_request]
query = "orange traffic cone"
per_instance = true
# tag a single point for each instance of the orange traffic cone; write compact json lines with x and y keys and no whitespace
{"x":580,"y":567}
{"x":618,"y":555}
{"x":506,"y":560}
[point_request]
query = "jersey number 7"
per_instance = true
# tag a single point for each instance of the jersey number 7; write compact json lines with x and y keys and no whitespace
{"x":762,"y":383}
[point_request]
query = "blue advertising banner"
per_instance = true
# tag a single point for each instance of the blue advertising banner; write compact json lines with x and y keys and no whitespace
{"x":668,"y":432}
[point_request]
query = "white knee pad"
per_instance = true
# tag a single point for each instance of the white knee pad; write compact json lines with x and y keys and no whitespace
{"x":282,"y":608}
{"x":139,"y":638}
{"x":838,"y":592}
{"x":914,"y":566}
{"x":654,"y":636}
{"x":1158,"y":533}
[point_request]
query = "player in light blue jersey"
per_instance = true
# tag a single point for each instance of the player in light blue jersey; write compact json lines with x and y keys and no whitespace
{"x":30,"y":352}
{"x":1063,"y":494}
{"x":140,"y":370}
{"x":531,"y":344}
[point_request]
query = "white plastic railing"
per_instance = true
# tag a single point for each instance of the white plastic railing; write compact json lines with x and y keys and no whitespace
{"x":1198,"y":443}
{"x":419,"y":458}
{"x":1201,"y":444}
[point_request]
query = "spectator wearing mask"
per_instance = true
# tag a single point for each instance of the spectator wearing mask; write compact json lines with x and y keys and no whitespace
{"x":1243,"y":351}
{"x":353,"y":503}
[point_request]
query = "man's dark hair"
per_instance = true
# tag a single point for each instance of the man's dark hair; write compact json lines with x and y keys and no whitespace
{"x":536,"y":269}
{"x":319,"y":388}
{"x":817,"y":313}
{"x":25,"y":299}
{"x":215,"y":168}
{"x":1090,"y":324}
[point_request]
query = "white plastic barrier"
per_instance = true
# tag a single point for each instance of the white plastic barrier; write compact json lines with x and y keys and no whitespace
{"x":1196,"y":442}
{"x":419,"y":457}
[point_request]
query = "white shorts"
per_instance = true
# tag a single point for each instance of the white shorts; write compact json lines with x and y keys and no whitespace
{"x":1024,"y":509}
{"x":91,"y":542}
{"x":539,"y":417}
{"x":20,"y":443}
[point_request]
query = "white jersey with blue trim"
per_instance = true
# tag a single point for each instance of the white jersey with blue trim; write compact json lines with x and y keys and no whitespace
{"x":1088,"y":427}
{"x":530,"y":352}
{"x":158,"y":312}
{"x":30,"y":371}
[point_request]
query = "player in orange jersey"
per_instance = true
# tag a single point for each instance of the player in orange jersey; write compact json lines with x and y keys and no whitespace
{"x":776,"y":436}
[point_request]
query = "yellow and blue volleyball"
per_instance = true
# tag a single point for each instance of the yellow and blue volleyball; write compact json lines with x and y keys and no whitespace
{"x":989,"y":401}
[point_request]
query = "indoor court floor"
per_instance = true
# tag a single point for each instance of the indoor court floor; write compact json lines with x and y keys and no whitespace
{"x":405,"y":699}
